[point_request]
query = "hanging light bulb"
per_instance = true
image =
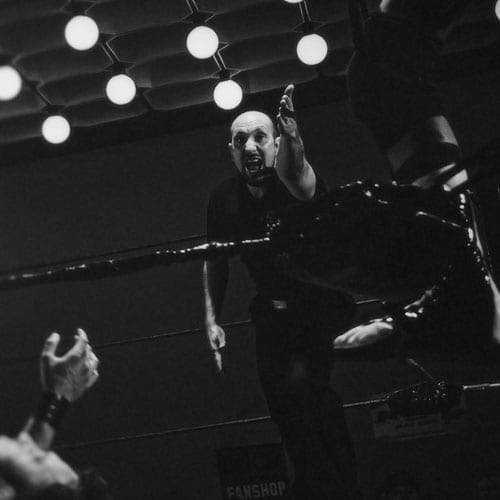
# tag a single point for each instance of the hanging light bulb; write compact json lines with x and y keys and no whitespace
{"x":10,"y":83}
{"x":228,"y":94}
{"x":56,"y":129}
{"x":81,"y":32}
{"x":293,"y":1}
{"x":120,"y":89}
{"x":202,"y":42}
{"x":312,"y":49}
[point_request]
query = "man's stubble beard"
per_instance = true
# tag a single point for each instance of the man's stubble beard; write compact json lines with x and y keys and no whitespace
{"x":268,"y":176}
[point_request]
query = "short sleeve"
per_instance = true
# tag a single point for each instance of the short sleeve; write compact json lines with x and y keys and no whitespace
{"x":221,"y":212}
{"x":215,"y":227}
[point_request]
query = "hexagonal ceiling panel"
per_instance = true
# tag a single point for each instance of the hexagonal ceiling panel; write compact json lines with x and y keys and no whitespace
{"x":146,"y":39}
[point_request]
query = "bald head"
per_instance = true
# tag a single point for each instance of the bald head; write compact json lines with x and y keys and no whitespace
{"x":249,"y":118}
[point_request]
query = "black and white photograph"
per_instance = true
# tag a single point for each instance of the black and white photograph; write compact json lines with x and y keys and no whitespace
{"x":250,"y":249}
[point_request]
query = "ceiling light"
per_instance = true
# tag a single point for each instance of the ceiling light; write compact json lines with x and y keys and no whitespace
{"x":497,"y":9}
{"x":56,"y":129}
{"x":81,"y":32}
{"x":10,"y":83}
{"x":120,"y":89}
{"x":293,"y":1}
{"x":312,"y":49}
{"x":228,"y":94}
{"x":202,"y":42}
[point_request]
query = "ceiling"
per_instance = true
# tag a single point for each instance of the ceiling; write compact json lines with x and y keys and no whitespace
{"x":147,"y":38}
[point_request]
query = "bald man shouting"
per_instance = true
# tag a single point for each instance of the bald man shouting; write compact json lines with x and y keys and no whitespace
{"x":293,"y":321}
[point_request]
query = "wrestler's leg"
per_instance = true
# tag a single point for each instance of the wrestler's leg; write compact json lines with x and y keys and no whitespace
{"x":423,"y":158}
{"x":435,"y":145}
{"x":393,"y":100}
{"x":424,"y":155}
{"x":480,"y":240}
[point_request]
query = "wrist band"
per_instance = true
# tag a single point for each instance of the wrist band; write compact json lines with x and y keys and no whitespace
{"x":52,"y":408}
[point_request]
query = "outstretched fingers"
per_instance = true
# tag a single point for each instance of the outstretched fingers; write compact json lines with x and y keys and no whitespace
{"x":286,"y":109}
{"x":50,"y":345}
{"x":79,"y":349}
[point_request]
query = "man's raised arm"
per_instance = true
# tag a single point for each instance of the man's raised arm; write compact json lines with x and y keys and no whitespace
{"x":291,"y":164}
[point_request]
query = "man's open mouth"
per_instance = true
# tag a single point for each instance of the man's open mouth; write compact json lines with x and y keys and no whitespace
{"x":254,"y":165}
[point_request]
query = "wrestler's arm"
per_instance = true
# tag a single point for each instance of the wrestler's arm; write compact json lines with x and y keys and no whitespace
{"x":409,"y":321}
{"x":292,"y":167}
{"x":215,"y":276}
{"x":402,"y":320}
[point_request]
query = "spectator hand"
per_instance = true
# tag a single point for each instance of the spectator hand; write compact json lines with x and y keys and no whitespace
{"x":72,"y":374}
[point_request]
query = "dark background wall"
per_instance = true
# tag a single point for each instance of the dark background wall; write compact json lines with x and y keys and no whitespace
{"x":149,"y":192}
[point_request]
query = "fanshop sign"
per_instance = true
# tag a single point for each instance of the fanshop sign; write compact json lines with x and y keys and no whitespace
{"x":252,"y":472}
{"x":260,"y":490}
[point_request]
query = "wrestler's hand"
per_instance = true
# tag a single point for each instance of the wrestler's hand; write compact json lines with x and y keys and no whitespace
{"x":363,"y":335}
{"x":72,"y":374}
{"x":217,"y":340}
{"x":287,"y":122}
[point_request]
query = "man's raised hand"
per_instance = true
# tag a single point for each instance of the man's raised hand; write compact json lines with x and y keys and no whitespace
{"x":287,"y":122}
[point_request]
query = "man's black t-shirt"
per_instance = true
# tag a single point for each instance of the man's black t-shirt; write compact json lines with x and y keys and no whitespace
{"x":234,"y":214}
{"x":294,"y":325}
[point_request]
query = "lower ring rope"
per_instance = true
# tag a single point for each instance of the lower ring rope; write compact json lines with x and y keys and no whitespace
{"x":252,"y":420}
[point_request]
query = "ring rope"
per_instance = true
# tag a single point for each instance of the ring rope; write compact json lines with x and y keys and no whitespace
{"x":133,"y":340}
{"x":76,"y":261}
{"x":244,"y":421}
{"x":114,"y":264}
